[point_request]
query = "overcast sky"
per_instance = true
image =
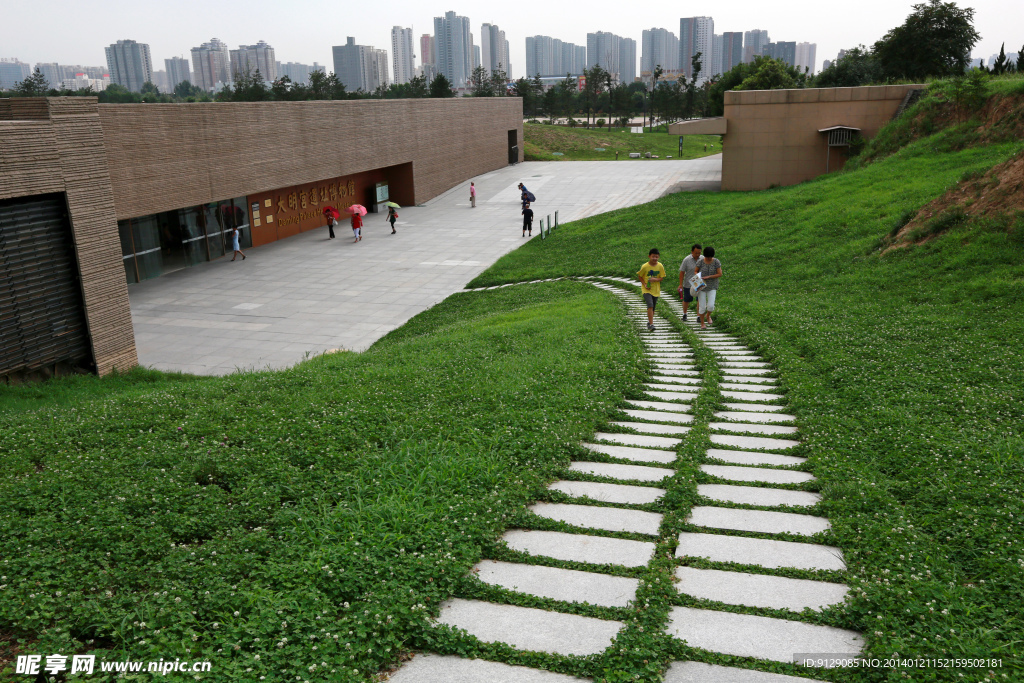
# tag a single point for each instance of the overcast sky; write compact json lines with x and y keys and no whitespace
{"x":304,"y":30}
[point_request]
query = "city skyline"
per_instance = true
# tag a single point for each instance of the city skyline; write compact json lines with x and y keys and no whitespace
{"x":169,"y":35}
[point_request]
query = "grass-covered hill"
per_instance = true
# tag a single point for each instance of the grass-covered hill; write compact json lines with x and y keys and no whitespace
{"x":544,"y":142}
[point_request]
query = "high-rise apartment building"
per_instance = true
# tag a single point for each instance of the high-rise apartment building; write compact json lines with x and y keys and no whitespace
{"x":360,"y":67}
{"x":549,"y":56}
{"x":296,"y":72}
{"x":732,"y":50}
{"x":476,"y":53}
{"x":806,"y":56}
{"x":454,"y":44}
{"x":716,"y":55}
{"x":696,"y":34}
{"x":177,"y":71}
{"x":53,"y":73}
{"x":605,"y":50}
{"x":252,"y":58}
{"x":659,"y":47}
{"x":211,"y":64}
{"x":627,"y":60}
{"x":753,"y":42}
{"x":402,"y":54}
{"x":784,"y":50}
{"x":13,"y":71}
{"x":130,"y":64}
{"x":494,"y":49}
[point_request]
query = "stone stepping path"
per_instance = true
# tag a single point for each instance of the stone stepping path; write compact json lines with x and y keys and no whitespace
{"x":750,"y":436}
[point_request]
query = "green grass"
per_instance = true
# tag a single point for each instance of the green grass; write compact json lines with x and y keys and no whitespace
{"x":580,"y":144}
{"x":905,"y":371}
{"x":266,"y":513}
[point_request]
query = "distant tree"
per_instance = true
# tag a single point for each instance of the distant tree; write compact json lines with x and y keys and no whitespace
{"x":597,"y":80}
{"x":859,"y":66}
{"x":934,"y":41}
{"x":185,"y":90}
{"x":441,"y":87}
{"x":1001,"y":65}
{"x":770,"y":74}
{"x":499,"y":82}
{"x":1020,"y":60}
{"x":281,"y":89}
{"x":480,"y":83}
{"x":35,"y":85}
{"x":418,"y":87}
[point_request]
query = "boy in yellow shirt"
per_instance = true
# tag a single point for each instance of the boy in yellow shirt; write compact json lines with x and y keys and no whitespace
{"x":651,"y":274}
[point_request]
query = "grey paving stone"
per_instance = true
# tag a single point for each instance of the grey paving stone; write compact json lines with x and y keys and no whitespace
{"x":675,"y":379}
{"x":623,"y":472}
{"x":638,"y":440}
{"x":567,"y":585}
{"x":767,"y":553}
{"x":752,"y":372}
{"x":653,"y":428}
{"x":580,"y":547}
{"x":670,"y":395}
{"x":753,"y":457}
{"x":660,"y":406}
{"x":752,"y":428}
{"x":608,"y":519}
{"x":661,"y":386}
{"x":746,"y":635}
{"x":733,"y":351}
{"x":746,"y":416}
{"x":525,"y":628}
{"x":676,"y":370}
{"x":630,"y":453}
{"x":746,"y":386}
{"x":743,"y":379}
{"x":699,"y":672}
{"x":757,"y":474}
{"x":743,"y":364}
{"x":670,"y":356}
{"x":758,"y":520}
{"x":759,"y":590}
{"x":760,"y":442}
{"x":755,"y":407}
{"x":756,"y":495}
{"x":660,"y":416}
{"x":609,"y":493}
{"x":750,"y":396}
{"x":429,"y":668}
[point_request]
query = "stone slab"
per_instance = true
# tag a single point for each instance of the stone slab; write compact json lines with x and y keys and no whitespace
{"x":750,"y":396}
{"x":608,"y":519}
{"x":429,"y":668}
{"x":580,"y":547}
{"x":660,"y":416}
{"x":743,"y":379}
{"x":755,"y":407}
{"x":767,"y":553}
{"x":760,"y":521}
{"x":609,"y":493}
{"x":567,"y":585}
{"x":526,"y":628}
{"x":660,"y":406}
{"x":759,"y":442}
{"x":699,"y":672}
{"x":672,"y":379}
{"x":743,"y":364}
{"x":747,"y":416}
{"x":652,"y":428}
{"x":622,"y":472}
{"x":676,"y":371}
{"x":752,"y":428}
{"x":754,"y":474}
{"x":660,"y":386}
{"x":638,"y":440}
{"x":745,"y":386}
{"x":756,"y":495}
{"x":758,"y":590}
{"x":630,"y":453}
{"x":670,"y":395}
{"x":745,"y":358}
{"x":746,"y":635}
{"x":670,"y":357}
{"x":750,"y":371}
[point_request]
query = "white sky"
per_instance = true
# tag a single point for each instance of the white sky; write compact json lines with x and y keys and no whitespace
{"x":304,"y":30}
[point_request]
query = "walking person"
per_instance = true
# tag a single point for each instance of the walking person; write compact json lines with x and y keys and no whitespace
{"x":472,"y":195}
{"x":234,"y":244}
{"x":686,"y":271}
{"x":527,"y":219}
{"x":391,"y":218}
{"x":710,"y":270}
{"x":651,"y":274}
{"x":330,"y":226}
{"x":357,"y":226}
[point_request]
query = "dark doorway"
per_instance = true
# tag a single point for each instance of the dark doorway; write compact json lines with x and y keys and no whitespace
{"x":513,"y":147}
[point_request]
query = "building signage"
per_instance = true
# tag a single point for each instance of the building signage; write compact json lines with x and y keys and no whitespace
{"x":307,"y":203}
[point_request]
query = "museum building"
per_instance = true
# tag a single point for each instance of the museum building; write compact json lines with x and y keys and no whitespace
{"x":94,"y":197}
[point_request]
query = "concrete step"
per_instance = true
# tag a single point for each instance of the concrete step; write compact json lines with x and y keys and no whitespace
{"x":660,"y":416}
{"x":609,"y":493}
{"x":756,"y":495}
{"x":631,"y":453}
{"x":753,"y":458}
{"x":750,"y":371}
{"x":745,"y":635}
{"x":430,"y":668}
{"x":751,"y":428}
{"x":744,"y":379}
{"x":671,"y":395}
{"x":767,"y":553}
{"x":638,"y":440}
{"x":659,"y":406}
{"x":757,"y":520}
{"x":607,"y":519}
{"x":652,"y":428}
{"x":747,"y":386}
{"x":622,"y":472}
{"x":755,"y":407}
{"x":526,"y":628}
{"x":750,"y":396}
{"x":747,"y":416}
{"x":759,"y":590}
{"x":757,"y":474}
{"x":663,"y":386}
{"x":763,"y":443}
{"x":566,"y":585}
{"x":580,"y":548}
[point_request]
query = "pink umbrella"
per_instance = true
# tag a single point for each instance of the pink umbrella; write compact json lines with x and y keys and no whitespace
{"x":357,"y":208}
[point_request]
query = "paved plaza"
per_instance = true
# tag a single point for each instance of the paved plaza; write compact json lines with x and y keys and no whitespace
{"x":307,"y":294}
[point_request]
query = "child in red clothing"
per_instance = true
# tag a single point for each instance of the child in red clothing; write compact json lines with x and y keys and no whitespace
{"x":357,"y":224}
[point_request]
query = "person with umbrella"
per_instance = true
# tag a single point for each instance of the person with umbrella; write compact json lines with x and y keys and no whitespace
{"x":357,"y":211}
{"x":392,"y":215}
{"x":332,"y":219}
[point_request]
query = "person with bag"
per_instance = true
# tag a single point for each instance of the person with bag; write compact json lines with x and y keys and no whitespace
{"x":472,"y":195}
{"x":392,"y":217}
{"x":330,"y":226}
{"x":234,"y":244}
{"x":709,"y":269}
{"x":357,"y":226}
{"x":686,"y":272}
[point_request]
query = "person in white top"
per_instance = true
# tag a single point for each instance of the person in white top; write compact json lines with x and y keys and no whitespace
{"x":686,"y":271}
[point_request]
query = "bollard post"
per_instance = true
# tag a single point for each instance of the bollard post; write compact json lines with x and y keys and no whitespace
{"x":549,"y":221}
{"x":556,"y":219}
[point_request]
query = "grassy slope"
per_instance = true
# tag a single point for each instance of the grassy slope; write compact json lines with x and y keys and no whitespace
{"x":577,"y":144}
{"x":276,"y":510}
{"x":905,"y":371}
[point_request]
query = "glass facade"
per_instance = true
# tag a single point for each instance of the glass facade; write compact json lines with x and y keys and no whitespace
{"x":162,"y":243}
